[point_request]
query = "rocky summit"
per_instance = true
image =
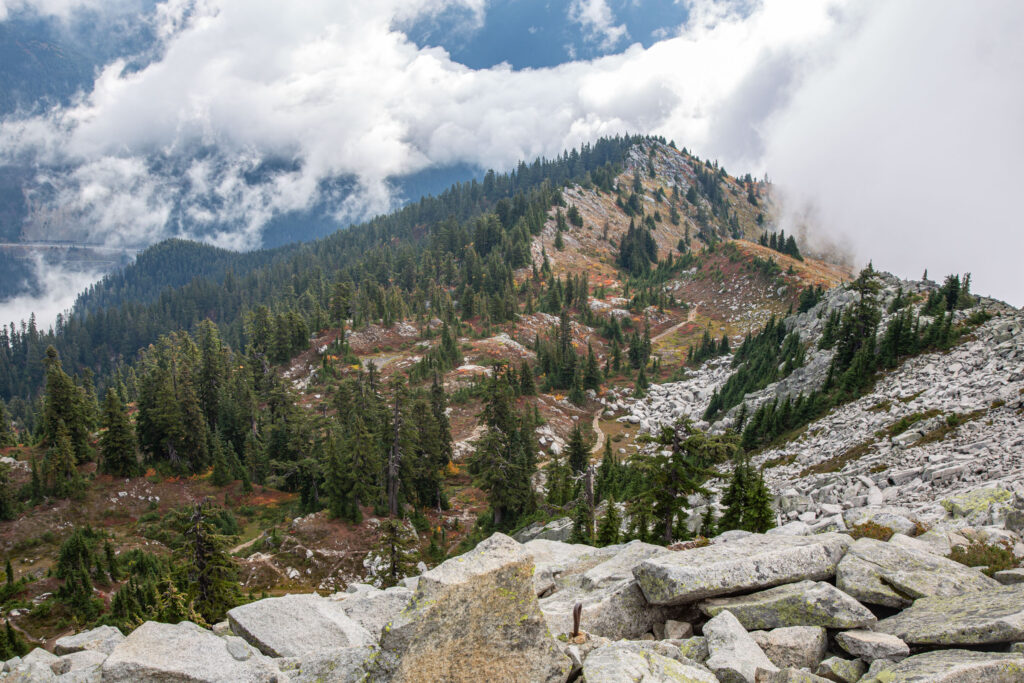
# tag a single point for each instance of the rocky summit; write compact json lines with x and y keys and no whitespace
{"x":777,"y":610}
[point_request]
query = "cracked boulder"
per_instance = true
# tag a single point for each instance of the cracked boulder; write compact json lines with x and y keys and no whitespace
{"x":807,"y":603}
{"x":893,"y":575}
{"x":979,"y":618}
{"x":750,"y":563}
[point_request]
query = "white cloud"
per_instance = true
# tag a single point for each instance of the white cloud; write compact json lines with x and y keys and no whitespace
{"x":598,"y":20}
{"x":895,"y":124}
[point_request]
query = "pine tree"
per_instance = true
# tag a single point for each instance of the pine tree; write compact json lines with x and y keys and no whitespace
{"x":582,"y":523}
{"x":62,"y":477}
{"x":395,"y":551}
{"x":592,"y":374}
{"x":9,"y":571}
{"x":221,"y":474}
{"x":8,"y":509}
{"x":205,"y":569}
{"x":735,"y":498}
{"x":7,"y":436}
{"x":117,"y":442}
{"x":607,"y":474}
{"x":577,"y":451}
{"x":609,"y":529}
{"x":759,"y":516}
{"x":708,"y":523}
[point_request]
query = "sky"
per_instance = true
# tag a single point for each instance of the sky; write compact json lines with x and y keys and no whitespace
{"x":892,"y":130}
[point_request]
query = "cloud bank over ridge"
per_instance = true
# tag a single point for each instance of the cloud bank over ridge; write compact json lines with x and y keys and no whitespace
{"x":894,"y":125}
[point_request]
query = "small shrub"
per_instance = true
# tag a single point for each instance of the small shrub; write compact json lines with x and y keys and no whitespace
{"x":993,"y":556}
{"x":870,"y":529}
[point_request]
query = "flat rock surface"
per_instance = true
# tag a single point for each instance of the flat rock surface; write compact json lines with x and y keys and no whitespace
{"x":616,"y":663}
{"x":102,"y":639}
{"x":978,"y":618}
{"x":749,"y":563}
{"x":293,"y":625}
{"x":182,"y":652}
{"x":869,"y":645}
{"x":806,"y":603}
{"x":798,"y":647}
{"x":953,"y":666}
{"x":894,"y":575}
{"x":616,"y":611}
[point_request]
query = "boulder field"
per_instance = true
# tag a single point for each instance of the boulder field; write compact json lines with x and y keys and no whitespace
{"x":748,"y":608}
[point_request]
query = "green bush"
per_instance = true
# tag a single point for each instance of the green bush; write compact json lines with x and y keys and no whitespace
{"x":993,"y":556}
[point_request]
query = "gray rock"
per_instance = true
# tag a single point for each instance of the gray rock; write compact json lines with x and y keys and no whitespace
{"x":616,"y":612}
{"x":374,"y":610}
{"x":1009,"y":577}
{"x":293,"y":625}
{"x":869,"y":645}
{"x":30,"y":672}
{"x":102,"y":639}
{"x":182,"y":652}
{"x":792,"y":676}
{"x":807,"y":603}
{"x":978,"y":618}
{"x":342,"y":665}
{"x":734,"y":656}
{"x":953,"y":666}
{"x":798,"y":647}
{"x":841,"y":670}
{"x":678,"y":630}
{"x":551,"y":558}
{"x":11,"y":663}
{"x":39,"y":656}
{"x":616,"y":663}
{"x":474,"y":617}
{"x":76,"y":661}
{"x":882,"y":573}
{"x":620,"y":566}
{"x":750,"y":563}
{"x":695,"y":648}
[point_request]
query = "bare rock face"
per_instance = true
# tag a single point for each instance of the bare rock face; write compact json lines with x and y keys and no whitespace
{"x":293,"y":625}
{"x":870,"y":646}
{"x":616,"y":611}
{"x":953,"y":666}
{"x":102,"y":639}
{"x":735,"y":657}
{"x":744,"y":564}
{"x":618,"y":662}
{"x":474,"y":617}
{"x":184,"y":652}
{"x":977,"y":618}
{"x":893,"y":575}
{"x":807,"y":603}
{"x":797,"y":647}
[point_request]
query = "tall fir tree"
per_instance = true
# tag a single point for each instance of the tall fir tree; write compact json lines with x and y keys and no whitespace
{"x":118,"y":447}
{"x":205,"y":570}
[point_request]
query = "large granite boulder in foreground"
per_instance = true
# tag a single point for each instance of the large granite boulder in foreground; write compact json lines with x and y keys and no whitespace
{"x":735,"y":657}
{"x":474,"y":617}
{"x":892,"y":575}
{"x":617,"y":611}
{"x":807,"y":603}
{"x":749,"y":563}
{"x":184,"y":652}
{"x":978,"y":618}
{"x":293,"y":625}
{"x":953,"y":666}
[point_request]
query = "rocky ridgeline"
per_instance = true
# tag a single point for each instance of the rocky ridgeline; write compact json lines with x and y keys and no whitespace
{"x":746,"y":608}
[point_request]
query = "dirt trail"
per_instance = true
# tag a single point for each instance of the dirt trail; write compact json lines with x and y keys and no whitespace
{"x":690,"y":317}
{"x":243,"y":546}
{"x":600,"y":434}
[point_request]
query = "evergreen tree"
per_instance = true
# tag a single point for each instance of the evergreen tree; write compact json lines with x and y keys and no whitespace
{"x":608,"y":530}
{"x":7,"y":436}
{"x":118,"y":448}
{"x":759,"y":516}
{"x":708,"y":523}
{"x":8,"y":508}
{"x":62,"y":477}
{"x":578,"y":455}
{"x":608,"y":474}
{"x":592,"y":374}
{"x":221,"y":474}
{"x":64,"y":404}
{"x":395,"y":551}
{"x":206,"y":572}
{"x":9,"y":571}
{"x":582,"y":523}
